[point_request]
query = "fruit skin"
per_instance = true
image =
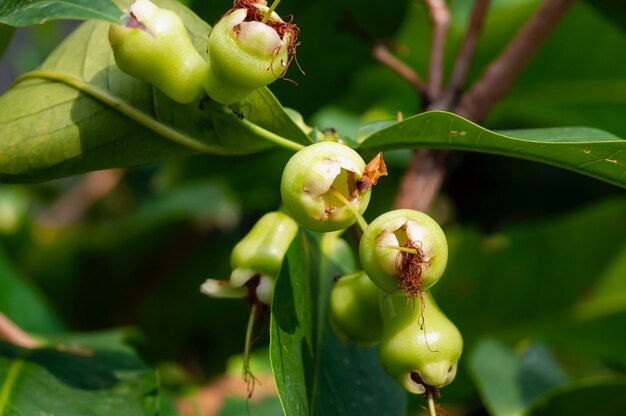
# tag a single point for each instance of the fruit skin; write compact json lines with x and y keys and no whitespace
{"x":306,"y":182}
{"x":432,"y":352}
{"x":259,"y":254}
{"x":380,"y":263}
{"x":163,"y":56}
{"x":354,"y":311}
{"x":244,"y":56}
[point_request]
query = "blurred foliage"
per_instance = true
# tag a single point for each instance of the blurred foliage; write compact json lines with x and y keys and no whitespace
{"x":537,"y":270}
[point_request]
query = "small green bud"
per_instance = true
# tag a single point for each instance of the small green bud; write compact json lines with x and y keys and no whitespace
{"x":420,"y":346}
{"x":312,"y":180}
{"x":354,"y":311}
{"x":157,"y":49}
{"x":259,"y":254}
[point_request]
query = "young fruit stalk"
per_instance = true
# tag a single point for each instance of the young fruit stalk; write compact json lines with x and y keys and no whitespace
{"x":250,"y":47}
{"x":154,"y":46}
{"x":354,"y":312}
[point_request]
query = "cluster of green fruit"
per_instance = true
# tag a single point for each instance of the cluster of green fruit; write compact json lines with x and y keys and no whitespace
{"x":325,"y":187}
{"x":248,"y":48}
{"x":403,"y":253}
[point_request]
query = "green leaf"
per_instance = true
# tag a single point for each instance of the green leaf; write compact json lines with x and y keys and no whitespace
{"x":22,"y":302}
{"x":79,"y":112}
{"x":529,"y":280}
{"x":588,"y":151}
{"x":70,"y":381}
{"x":531,"y":381}
{"x":32,"y":12}
{"x":317,"y":374}
{"x":510,"y":384}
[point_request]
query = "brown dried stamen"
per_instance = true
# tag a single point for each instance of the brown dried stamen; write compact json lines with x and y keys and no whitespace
{"x":409,"y":278}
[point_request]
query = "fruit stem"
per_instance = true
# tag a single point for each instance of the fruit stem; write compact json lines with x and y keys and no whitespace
{"x":248,"y":344}
{"x":270,"y":11}
{"x":255,"y":129}
{"x":359,"y":218}
{"x":405,"y":249}
{"x":431,"y":403}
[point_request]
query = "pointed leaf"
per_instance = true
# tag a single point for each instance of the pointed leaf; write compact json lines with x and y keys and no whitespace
{"x":82,"y":382}
{"x":588,"y":151}
{"x":316,"y":373}
{"x":32,"y":12}
{"x":79,"y":112}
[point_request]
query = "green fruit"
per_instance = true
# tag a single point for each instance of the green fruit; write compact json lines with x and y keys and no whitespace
{"x":162,"y":54}
{"x":245,"y":54}
{"x":418,"y":349}
{"x":259,"y":254}
{"x":409,"y":229}
{"x":310,"y":183}
{"x":354,"y":311}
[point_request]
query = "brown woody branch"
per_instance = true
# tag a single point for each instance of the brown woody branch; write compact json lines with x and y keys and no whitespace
{"x":499,"y":76}
{"x":73,"y":205}
{"x":14,"y":334}
{"x":448,"y":98}
{"x":440,"y":17}
{"x":382,"y":54}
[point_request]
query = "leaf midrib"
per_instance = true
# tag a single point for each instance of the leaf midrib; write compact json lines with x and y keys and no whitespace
{"x":29,"y":7}
{"x":11,"y":379}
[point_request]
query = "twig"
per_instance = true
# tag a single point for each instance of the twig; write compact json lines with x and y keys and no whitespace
{"x":424,"y":175}
{"x":499,"y":76}
{"x":440,"y":17}
{"x":463,"y":59}
{"x":421,"y":181}
{"x":73,"y":205}
{"x":14,"y":334}
{"x":382,"y":54}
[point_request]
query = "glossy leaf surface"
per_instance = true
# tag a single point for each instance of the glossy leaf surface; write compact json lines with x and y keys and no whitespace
{"x":588,"y":151}
{"x":32,"y":12}
{"x":315,"y":372}
{"x":75,"y":381}
{"x":79,"y":112}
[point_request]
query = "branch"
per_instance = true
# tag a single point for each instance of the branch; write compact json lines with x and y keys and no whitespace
{"x":464,"y":58}
{"x":421,"y":181}
{"x":382,"y":54}
{"x":14,"y":334}
{"x":499,"y":76}
{"x":440,"y":17}
{"x":73,"y":205}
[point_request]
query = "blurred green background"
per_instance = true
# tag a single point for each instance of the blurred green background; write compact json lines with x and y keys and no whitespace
{"x":537,"y":274}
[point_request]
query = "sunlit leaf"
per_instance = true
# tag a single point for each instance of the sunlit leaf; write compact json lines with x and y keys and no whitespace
{"x":588,"y":151}
{"x":32,"y":12}
{"x":79,"y":112}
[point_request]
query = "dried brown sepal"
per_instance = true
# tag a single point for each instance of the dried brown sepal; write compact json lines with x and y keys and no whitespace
{"x":375,"y":169}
